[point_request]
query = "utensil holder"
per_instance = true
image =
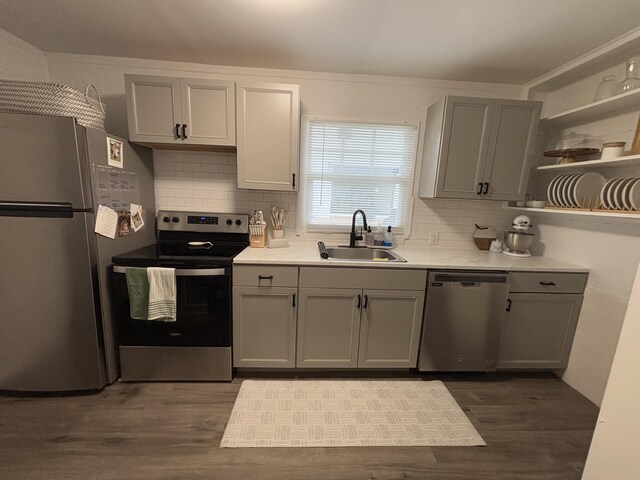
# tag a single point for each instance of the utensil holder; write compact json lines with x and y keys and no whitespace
{"x":278,"y":233}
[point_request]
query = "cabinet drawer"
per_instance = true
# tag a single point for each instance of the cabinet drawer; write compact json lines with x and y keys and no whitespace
{"x":379,"y":279}
{"x":547,"y":282}
{"x":265,"y":276}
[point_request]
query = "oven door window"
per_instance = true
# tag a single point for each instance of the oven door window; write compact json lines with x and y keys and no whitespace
{"x":203,"y":315}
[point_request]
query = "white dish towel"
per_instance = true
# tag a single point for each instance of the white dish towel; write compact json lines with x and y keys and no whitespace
{"x":162,"y":293}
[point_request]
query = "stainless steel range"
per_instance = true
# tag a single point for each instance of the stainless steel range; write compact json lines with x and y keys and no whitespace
{"x":197,"y":346}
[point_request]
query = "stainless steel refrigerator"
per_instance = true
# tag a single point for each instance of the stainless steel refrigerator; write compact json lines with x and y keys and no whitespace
{"x":56,"y":328}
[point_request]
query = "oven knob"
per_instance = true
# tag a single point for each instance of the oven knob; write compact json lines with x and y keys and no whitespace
{"x":166,"y":219}
{"x":229,"y":221}
{"x":238,"y":222}
{"x":175,"y":219}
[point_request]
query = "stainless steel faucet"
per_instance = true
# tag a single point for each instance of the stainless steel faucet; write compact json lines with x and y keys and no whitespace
{"x":353,"y":237}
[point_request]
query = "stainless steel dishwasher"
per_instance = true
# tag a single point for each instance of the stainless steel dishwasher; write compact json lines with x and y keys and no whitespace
{"x":463,"y":320}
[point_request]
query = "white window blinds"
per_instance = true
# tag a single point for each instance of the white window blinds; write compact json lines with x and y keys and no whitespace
{"x":350,"y":165}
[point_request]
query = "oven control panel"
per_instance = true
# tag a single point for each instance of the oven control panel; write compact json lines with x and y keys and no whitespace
{"x":202,"y":222}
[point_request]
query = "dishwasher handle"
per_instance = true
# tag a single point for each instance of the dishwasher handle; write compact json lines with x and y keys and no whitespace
{"x":468,"y":279}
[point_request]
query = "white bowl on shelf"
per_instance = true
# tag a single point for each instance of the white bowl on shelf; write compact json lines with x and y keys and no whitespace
{"x":536,"y":203}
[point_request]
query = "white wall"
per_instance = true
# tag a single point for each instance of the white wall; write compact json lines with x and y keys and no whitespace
{"x":609,"y":248}
{"x":20,"y":60}
{"x":614,"y":449}
{"x":336,"y":95}
{"x":206,"y":180}
{"x":612,"y":252}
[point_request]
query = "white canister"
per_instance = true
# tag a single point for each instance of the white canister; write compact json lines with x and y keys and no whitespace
{"x":612,"y":150}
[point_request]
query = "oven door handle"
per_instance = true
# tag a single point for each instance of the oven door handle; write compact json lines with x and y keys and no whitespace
{"x":185,"y":272}
{"x":200,"y":245}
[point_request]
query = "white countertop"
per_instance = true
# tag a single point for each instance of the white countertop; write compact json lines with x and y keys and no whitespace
{"x":307,"y":255}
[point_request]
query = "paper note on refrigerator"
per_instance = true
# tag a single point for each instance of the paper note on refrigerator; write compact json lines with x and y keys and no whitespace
{"x":137,"y":221}
{"x":106,"y":222}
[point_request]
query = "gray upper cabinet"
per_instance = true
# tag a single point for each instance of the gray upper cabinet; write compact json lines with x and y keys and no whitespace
{"x":180,"y":111}
{"x":478,"y":148}
{"x":268,"y":136}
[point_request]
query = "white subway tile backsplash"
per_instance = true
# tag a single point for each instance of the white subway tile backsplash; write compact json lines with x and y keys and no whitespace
{"x":207,"y":181}
{"x":228,"y":169}
{"x":192,"y":167}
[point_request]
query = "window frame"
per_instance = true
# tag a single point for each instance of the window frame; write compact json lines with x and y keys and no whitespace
{"x":335,"y":230}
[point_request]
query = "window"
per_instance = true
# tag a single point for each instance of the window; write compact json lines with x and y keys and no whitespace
{"x":350,"y":165}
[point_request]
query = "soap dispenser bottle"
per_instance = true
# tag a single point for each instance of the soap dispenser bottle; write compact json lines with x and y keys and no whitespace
{"x":379,"y":237}
{"x":368,"y":238}
{"x":388,"y":238}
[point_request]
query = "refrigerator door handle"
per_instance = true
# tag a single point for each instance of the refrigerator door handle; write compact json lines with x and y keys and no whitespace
{"x":40,"y":209}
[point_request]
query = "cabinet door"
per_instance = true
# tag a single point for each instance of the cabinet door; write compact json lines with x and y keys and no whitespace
{"x":208,"y":111}
{"x":513,"y":133}
{"x":539,"y":330}
{"x":390,"y":328}
{"x":328,"y":328}
{"x":463,"y":149}
{"x":153,"y":108}
{"x":264,"y":327}
{"x":268,"y":136}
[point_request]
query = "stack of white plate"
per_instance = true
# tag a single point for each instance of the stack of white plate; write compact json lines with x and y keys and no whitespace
{"x":621,"y":194}
{"x":577,"y":190}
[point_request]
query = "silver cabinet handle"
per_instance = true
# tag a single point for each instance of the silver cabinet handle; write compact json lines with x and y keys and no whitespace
{"x":185,"y":272}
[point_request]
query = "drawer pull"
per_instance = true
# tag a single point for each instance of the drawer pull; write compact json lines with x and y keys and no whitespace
{"x":548,"y":284}
{"x":265,"y":277}
{"x":294,"y":300}
{"x":359,"y":302}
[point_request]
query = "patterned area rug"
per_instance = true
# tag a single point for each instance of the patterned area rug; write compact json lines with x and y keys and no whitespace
{"x":331,"y":413}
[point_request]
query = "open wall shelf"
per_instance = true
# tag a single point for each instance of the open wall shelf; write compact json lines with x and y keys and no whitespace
{"x":591,"y":164}
{"x":580,"y":213}
{"x":623,"y":103}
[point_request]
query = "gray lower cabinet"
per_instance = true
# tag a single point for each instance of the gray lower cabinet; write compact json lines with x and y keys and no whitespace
{"x":542,"y":319}
{"x":328,"y":327}
{"x":362,"y":318}
{"x":390,"y":328}
{"x":264,"y":316}
{"x":539,"y":330}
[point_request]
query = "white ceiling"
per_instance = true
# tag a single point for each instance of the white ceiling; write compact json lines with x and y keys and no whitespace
{"x":505,"y":41}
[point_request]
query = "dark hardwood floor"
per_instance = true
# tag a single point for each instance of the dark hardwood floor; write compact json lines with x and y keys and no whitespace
{"x":535,"y":426}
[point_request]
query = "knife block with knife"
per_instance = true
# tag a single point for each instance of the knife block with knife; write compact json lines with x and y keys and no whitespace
{"x":258,"y":230}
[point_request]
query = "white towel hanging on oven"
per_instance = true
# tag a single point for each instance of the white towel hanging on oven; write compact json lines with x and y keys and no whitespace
{"x":162,"y":294}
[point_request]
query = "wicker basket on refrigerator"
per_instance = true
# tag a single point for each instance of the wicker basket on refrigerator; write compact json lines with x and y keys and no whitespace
{"x":55,"y":99}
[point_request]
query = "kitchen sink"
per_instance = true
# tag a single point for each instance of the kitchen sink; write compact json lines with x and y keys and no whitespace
{"x":363,"y":254}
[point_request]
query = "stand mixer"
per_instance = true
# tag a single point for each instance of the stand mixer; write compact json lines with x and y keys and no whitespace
{"x":517,"y":240}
